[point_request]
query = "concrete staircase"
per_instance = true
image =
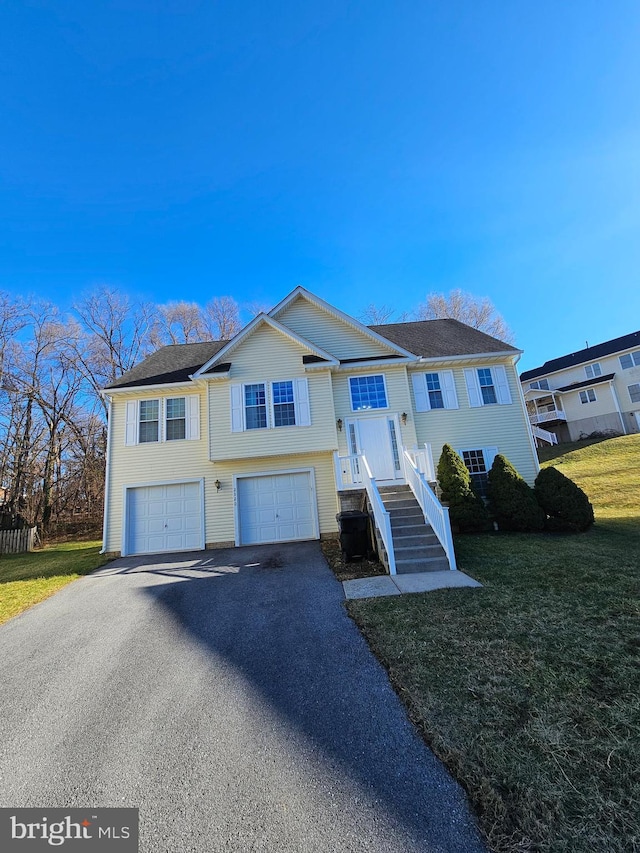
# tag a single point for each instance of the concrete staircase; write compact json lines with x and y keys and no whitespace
{"x":416,"y":546}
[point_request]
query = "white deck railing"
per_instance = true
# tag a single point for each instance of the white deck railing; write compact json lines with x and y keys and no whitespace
{"x":348,"y":471}
{"x":422,"y":458}
{"x":543,"y":417}
{"x":434,"y":513}
{"x":381,"y":517}
{"x":544,"y":434}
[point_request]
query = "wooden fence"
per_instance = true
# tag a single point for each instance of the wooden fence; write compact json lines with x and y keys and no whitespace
{"x":18,"y":541}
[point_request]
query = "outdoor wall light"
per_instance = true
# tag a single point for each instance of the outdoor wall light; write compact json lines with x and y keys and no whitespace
{"x":339,"y":424}
{"x":403,"y":417}
{"x":217,"y":484}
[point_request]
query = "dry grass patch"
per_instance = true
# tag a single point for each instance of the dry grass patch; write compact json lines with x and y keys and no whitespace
{"x":529,"y":688}
{"x":26,"y":579}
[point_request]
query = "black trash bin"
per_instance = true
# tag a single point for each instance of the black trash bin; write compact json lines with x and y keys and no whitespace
{"x":354,"y":533}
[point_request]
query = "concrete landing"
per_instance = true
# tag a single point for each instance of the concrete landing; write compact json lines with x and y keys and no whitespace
{"x":381,"y":585}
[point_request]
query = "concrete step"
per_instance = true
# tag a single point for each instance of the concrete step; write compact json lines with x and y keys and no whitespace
{"x":426,"y":564}
{"x":408,"y":540}
{"x":394,"y":497}
{"x":409,"y":512}
{"x":407,"y":526}
{"x":406,"y":552}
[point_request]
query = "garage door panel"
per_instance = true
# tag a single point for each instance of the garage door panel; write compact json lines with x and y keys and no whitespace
{"x":164,"y":518}
{"x":276,"y":508}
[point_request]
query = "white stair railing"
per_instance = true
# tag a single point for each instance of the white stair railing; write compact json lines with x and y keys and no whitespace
{"x":434,"y":513}
{"x":381,"y":517}
{"x":544,"y":435}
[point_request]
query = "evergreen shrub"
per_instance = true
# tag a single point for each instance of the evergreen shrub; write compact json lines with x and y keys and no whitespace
{"x":565,"y":503}
{"x":511,"y":501}
{"x":466,"y":510}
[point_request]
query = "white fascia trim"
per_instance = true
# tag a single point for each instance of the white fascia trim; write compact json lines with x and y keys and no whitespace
{"x":527,"y":422}
{"x":471,"y":357}
{"x":339,"y":315}
{"x":248,"y":329}
{"x":138,"y":388}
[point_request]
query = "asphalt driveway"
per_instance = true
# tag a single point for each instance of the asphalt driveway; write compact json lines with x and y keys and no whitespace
{"x":227,"y":695}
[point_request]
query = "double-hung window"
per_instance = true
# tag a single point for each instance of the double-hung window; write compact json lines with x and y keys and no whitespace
{"x":593,"y":370}
{"x":631,"y":359}
{"x":163,"y":419}
{"x":487,"y":386}
{"x":255,"y":406}
{"x":368,"y":392}
{"x":479,"y":461}
{"x":540,"y":385}
{"x":634,"y":393}
{"x":149,"y":421}
{"x":268,"y":405}
{"x":588,"y":396}
{"x":284,"y":407}
{"x":176,"y":421}
{"x":434,"y":390}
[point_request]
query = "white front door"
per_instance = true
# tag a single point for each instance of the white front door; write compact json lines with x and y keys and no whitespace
{"x":377,"y":440}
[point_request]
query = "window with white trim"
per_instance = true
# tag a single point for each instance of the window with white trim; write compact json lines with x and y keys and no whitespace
{"x":149,"y":421}
{"x":634,"y":393}
{"x":434,"y":390}
{"x":162,"y":419}
{"x":487,"y":386}
{"x":631,"y":359}
{"x":588,"y":396}
{"x":368,"y":392}
{"x":269,"y":405}
{"x":593,"y":370}
{"x":479,"y":461}
{"x":176,"y":419}
{"x":540,"y":385}
{"x":255,"y":406}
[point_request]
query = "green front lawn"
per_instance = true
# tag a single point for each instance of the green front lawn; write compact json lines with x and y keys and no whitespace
{"x":26,"y":579}
{"x":529,"y":689}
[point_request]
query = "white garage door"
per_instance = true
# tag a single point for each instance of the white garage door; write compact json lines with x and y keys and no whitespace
{"x":276,"y":508}
{"x":164,"y":518}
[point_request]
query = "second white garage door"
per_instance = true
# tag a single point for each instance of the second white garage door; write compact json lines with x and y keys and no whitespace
{"x":276,"y":508}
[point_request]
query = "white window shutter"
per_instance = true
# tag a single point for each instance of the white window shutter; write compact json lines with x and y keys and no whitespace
{"x":473,"y":387}
{"x":301,"y":397}
{"x":420,"y":392}
{"x":448,"y":385}
{"x":489,"y":454}
{"x":131,"y":422}
{"x":502,"y":385}
{"x":193,"y":416}
{"x":237,"y":409}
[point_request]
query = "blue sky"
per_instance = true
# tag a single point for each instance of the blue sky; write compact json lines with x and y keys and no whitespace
{"x":370,"y":151}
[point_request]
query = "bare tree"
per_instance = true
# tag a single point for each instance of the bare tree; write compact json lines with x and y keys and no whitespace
{"x":378,"y":315}
{"x":178,"y":323}
{"x":478,"y":312}
{"x":222,"y":318}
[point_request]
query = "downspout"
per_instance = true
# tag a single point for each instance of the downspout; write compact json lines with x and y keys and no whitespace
{"x":536,"y":463}
{"x":617,"y":402}
{"x":107,"y":483}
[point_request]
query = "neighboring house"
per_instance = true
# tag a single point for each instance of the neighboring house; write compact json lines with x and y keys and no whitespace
{"x":594,"y":390}
{"x":263,"y":438}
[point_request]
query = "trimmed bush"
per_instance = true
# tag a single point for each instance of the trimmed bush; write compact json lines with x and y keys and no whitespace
{"x":466,"y":510}
{"x":511,"y":501}
{"x":565,"y":503}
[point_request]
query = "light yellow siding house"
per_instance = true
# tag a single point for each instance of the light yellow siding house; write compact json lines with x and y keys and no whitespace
{"x":257,"y":439}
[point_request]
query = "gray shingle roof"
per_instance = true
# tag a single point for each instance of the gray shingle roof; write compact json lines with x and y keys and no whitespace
{"x":427,"y":338}
{"x":435,"y":338}
{"x":582,"y":356}
{"x":587,"y":383}
{"x":174,"y":363}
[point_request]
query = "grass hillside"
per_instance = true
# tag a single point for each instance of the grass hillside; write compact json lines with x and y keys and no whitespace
{"x":529,"y":688}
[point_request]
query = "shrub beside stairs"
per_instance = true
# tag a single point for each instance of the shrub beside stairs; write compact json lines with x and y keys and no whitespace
{"x":416,"y":546}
